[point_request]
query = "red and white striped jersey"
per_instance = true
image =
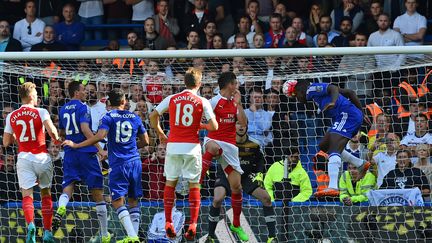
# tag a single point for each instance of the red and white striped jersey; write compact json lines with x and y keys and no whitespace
{"x":27,"y":125}
{"x":185,"y":112}
{"x":226,"y":116}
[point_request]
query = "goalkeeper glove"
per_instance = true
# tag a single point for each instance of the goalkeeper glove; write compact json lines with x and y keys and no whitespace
{"x":259,"y":178}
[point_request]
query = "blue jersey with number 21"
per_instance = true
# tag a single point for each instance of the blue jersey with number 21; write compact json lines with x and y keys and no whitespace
{"x":123,"y":127}
{"x":346,"y":117}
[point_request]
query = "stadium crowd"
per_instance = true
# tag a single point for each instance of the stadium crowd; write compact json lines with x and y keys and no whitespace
{"x":398,"y":142}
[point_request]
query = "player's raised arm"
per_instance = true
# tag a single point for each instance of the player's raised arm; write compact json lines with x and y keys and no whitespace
{"x":241,"y":115}
{"x":352,"y":96}
{"x":101,"y":134}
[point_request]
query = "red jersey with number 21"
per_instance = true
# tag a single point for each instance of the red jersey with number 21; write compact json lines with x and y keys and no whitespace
{"x":27,"y":125}
{"x":226,"y":115}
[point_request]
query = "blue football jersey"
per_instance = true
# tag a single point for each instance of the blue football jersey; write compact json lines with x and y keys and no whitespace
{"x":72,"y":114}
{"x":123,"y":128}
{"x":317,"y":92}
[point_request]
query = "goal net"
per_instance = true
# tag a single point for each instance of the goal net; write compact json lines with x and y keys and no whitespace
{"x":276,"y":122}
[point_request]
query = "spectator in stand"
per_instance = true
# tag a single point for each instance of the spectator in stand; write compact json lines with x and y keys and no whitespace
{"x":209,"y":31}
{"x":131,"y":38}
{"x":7,"y":42}
{"x":207,"y":91}
{"x":361,"y":83}
{"x":297,"y":8}
{"x":259,"y":120}
{"x":380,"y":128}
{"x":385,"y":36}
{"x":405,"y":176}
{"x":221,"y":10}
{"x":243,"y":25}
{"x":302,"y":37}
{"x":370,"y":23}
{"x":322,"y":40}
{"x":240,"y":42}
{"x":385,"y":161}
{"x":412,"y":26}
{"x":97,"y":108}
{"x":152,"y":81}
{"x":288,"y":177}
{"x":266,"y":8}
{"x":291,"y":38}
{"x":117,"y":12}
{"x":325,"y":26}
{"x":421,"y":135}
{"x":424,"y":162}
{"x":141,"y":10}
{"x":314,"y":19}
{"x":6,"y":110}
{"x":272,"y":101}
{"x":350,"y":9}
{"x":91,"y":12}
{"x":218,"y":42}
{"x":275,"y":37}
{"x":345,"y":38}
{"x":30,"y":29}
{"x":356,"y":148}
{"x":258,"y":40}
{"x":49,"y":42}
{"x":286,"y":20}
{"x":196,"y":19}
{"x":288,"y":181}
{"x":57,"y":161}
{"x":253,"y":10}
{"x":153,"y":40}
{"x":56,"y":98}
{"x":193,"y":40}
{"x":69,"y":32}
{"x":153,"y":174}
{"x":103,"y":88}
{"x":352,"y":188}
{"x":165,"y":25}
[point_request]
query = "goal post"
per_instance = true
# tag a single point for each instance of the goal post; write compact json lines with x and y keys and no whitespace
{"x":374,"y":73}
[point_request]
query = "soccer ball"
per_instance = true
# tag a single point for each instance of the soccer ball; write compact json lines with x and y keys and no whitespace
{"x":289,"y":87}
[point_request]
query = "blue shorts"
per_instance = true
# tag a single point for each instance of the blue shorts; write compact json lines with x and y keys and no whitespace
{"x":125,"y":180}
{"x":82,"y":166}
{"x":348,"y":123}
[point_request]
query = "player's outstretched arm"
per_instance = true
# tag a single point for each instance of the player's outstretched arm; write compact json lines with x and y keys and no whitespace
{"x":143,"y":140}
{"x":101,"y":134}
{"x":8,"y":139}
{"x":154,"y":122}
{"x":52,"y":130}
{"x":85,"y":128}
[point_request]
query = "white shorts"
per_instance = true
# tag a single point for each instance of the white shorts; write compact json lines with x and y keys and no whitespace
{"x":31,"y":174}
{"x":230,"y":154}
{"x":188,"y":166}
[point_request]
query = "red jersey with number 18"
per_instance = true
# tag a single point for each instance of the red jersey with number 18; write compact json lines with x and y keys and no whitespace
{"x":27,"y":125}
{"x":185,"y":112}
{"x":226,"y":115}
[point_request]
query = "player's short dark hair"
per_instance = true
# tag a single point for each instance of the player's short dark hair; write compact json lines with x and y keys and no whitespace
{"x":292,"y":150}
{"x":226,"y":78}
{"x":115,"y":96}
{"x":192,"y":77}
{"x":72,"y":87}
{"x":302,"y":85}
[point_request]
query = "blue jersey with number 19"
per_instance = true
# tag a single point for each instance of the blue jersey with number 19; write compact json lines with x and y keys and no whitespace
{"x":72,"y":114}
{"x":123,"y":127}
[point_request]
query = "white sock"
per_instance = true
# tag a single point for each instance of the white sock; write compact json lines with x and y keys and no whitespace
{"x":135,"y":216}
{"x":63,"y":200}
{"x":348,"y":157}
{"x":125,"y":219}
{"x":333,"y":167}
{"x":102,"y":214}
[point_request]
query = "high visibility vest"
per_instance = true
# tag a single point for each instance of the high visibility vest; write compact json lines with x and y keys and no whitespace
{"x":322,"y":177}
{"x":374,"y":110}
{"x":422,"y":90}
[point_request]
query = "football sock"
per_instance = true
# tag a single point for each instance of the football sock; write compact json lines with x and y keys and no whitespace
{"x":270,"y":219}
{"x":102,"y":214}
{"x":168,"y":202}
{"x":236,"y":204}
{"x":63,"y":200}
{"x":47,"y":212}
{"x":334,"y":165}
{"x":194,"y":204}
{"x":346,"y":156}
{"x":124,"y":217}
{"x":28,"y":208}
{"x":214,"y":217}
{"x":135,"y":215}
